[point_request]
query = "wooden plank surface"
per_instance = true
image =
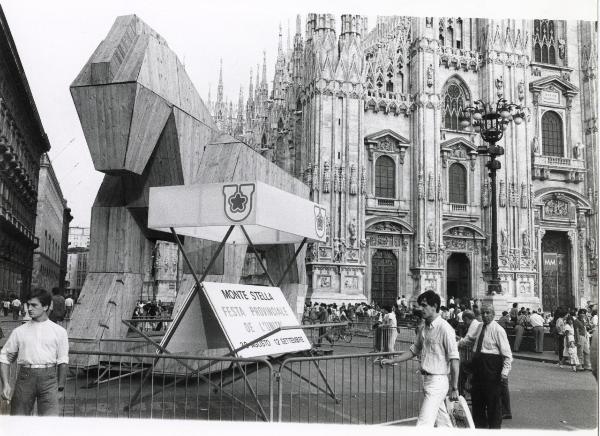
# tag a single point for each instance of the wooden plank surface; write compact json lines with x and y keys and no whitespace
{"x":193,"y":138}
{"x":113,"y":49}
{"x":105,"y":299}
{"x":159,"y":71}
{"x":105,"y":114}
{"x":150,"y":114}
{"x":236,"y":161}
{"x":190,"y":100}
{"x":130,"y":68}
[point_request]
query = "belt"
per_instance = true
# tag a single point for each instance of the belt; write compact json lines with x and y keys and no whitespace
{"x":423,"y":372}
{"x":39,"y":366}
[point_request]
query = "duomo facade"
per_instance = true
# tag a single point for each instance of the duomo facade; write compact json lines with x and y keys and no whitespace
{"x":369,"y":120}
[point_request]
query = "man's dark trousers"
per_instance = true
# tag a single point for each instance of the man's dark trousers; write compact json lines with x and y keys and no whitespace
{"x":486,"y":391}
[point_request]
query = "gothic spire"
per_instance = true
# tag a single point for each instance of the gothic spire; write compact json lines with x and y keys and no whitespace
{"x":280,"y":43}
{"x":289,"y":47}
{"x":264,"y":69}
{"x":250,"y":89}
{"x":257,"y":88}
{"x":220,"y":86}
{"x":240,"y":101}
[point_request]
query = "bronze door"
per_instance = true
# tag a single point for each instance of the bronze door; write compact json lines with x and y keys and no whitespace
{"x":384,"y":278}
{"x":556,"y":277}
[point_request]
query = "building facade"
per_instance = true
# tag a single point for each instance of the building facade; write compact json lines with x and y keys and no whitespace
{"x":51,"y":229}
{"x":22,"y":143}
{"x":370,"y":120}
{"x":79,"y":237}
{"x":162,"y":275}
{"x":77,"y":268}
{"x":77,"y":256}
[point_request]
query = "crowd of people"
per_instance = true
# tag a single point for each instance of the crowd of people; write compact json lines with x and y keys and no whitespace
{"x":61,"y":308}
{"x":481,"y":362}
{"x":144,"y":313}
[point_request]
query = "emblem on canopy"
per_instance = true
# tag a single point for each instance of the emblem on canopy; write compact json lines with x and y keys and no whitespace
{"x":238,"y":201}
{"x":320,"y":218}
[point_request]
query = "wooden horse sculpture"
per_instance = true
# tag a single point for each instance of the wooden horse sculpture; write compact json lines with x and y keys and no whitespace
{"x":146,"y":125}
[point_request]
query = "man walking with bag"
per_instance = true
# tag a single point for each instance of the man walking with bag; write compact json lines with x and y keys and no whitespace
{"x":436,"y":345}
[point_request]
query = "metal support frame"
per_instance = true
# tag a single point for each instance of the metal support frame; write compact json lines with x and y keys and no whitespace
{"x":161,"y":348}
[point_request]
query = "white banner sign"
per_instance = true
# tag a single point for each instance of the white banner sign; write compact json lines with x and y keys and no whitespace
{"x":268,"y":214}
{"x":247,"y":312}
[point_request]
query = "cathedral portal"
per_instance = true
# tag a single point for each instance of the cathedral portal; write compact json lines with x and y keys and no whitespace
{"x":384,"y":278}
{"x":556,"y":275}
{"x":458,"y":277}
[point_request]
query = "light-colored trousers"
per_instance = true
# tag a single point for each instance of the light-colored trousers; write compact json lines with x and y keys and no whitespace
{"x":433,"y":410}
{"x":583,"y":351}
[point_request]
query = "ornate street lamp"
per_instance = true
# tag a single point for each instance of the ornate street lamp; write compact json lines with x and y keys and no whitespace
{"x":490,"y":122}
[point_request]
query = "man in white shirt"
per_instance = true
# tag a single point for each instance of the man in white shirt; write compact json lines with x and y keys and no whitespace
{"x":16,"y":307}
{"x":69,"y":306}
{"x":537,"y":322}
{"x":491,"y":364}
{"x":41,"y":349}
{"x":436,"y":345}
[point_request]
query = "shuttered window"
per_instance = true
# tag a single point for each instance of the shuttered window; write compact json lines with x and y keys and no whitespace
{"x":457,"y":184}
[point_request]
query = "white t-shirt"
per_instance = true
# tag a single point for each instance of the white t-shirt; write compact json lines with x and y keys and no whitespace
{"x":36,"y":343}
{"x":389,"y":320}
{"x":536,"y":320}
{"x":16,"y":302}
{"x":472,"y":330}
{"x":68,"y":302}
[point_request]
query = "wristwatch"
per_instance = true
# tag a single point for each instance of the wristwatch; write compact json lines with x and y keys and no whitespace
{"x":61,"y":388}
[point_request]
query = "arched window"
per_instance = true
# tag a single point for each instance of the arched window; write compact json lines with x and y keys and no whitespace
{"x":552,"y":134}
{"x":454,"y":100}
{"x":389,"y":86}
{"x":385,"y":177}
{"x":552,"y":56}
{"x":457,"y":183}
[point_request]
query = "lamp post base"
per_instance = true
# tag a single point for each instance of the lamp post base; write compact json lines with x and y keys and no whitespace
{"x":494,"y":287}
{"x":500,"y":303}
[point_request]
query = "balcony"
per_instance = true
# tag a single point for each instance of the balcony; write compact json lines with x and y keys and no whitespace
{"x":387,"y":205}
{"x":573,"y":169}
{"x":384,"y":202}
{"x":462,"y":211}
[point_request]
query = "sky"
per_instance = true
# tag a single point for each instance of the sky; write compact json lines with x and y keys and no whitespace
{"x":56,"y":38}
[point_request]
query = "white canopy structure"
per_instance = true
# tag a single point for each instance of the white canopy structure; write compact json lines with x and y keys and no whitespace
{"x":207,"y":211}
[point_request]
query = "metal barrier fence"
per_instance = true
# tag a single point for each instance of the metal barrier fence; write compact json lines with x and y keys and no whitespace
{"x":362,"y":335}
{"x":343,"y":389}
{"x":155,"y":324}
{"x":180,"y":387}
{"x":347,"y":389}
